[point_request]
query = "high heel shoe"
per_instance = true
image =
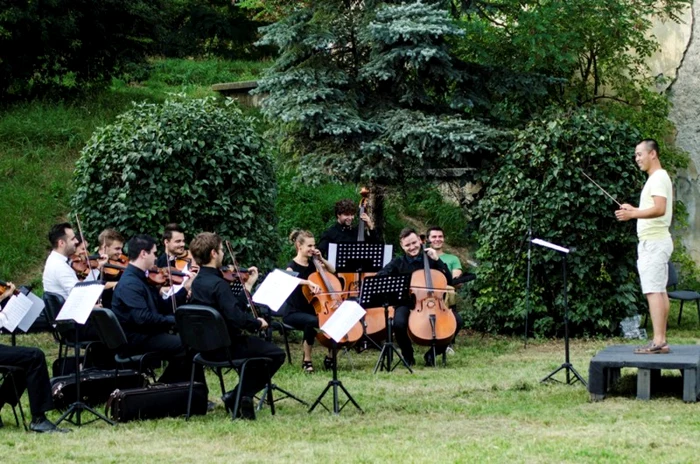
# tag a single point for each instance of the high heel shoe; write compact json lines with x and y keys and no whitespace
{"x":307,"y":367}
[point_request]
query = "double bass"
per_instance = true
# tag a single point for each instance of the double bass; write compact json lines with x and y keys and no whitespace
{"x":431,"y":323}
{"x":326,"y":302}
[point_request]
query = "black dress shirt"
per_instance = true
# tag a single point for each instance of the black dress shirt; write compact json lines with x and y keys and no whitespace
{"x":210,"y":289}
{"x":341,"y":234}
{"x":140,"y":308}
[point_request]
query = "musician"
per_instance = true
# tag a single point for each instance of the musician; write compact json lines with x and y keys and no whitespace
{"x":147,"y":319}
{"x":210,"y":289}
{"x":35,"y":378}
{"x":411,"y":261}
{"x":58,"y":275}
{"x":436,"y":241}
{"x":111,"y":247}
{"x":343,"y":231}
{"x":300,"y":313}
{"x":174,"y":243}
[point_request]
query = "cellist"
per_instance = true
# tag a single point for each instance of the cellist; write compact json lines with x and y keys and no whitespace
{"x":343,"y":231}
{"x":300,"y":314}
{"x":412,"y":260}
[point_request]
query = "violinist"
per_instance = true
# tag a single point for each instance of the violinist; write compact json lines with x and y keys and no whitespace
{"x":147,"y":319}
{"x":436,"y":241}
{"x":343,"y":231}
{"x":174,"y":243}
{"x":300,"y":314}
{"x":111,"y":247}
{"x":34,"y":376}
{"x":210,"y":289}
{"x":412,"y":260}
{"x":58,"y":275}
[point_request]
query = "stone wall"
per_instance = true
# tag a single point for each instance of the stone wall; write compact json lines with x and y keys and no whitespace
{"x":685,"y":96}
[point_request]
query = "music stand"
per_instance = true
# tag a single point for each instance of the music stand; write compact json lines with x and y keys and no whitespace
{"x":359,"y":258}
{"x":567,"y":366}
{"x":386,"y":291}
{"x":77,"y":309}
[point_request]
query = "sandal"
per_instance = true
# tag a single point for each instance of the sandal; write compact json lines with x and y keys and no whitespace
{"x":307,"y":366}
{"x":653,"y":348}
{"x":328,"y":363}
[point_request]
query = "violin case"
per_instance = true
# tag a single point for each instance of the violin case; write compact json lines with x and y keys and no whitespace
{"x":156,"y":401}
{"x":95,"y":386}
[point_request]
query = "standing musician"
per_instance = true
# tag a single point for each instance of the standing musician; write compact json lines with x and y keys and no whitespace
{"x":147,"y":319}
{"x":174,"y":243}
{"x":300,"y":313}
{"x":210,"y":289}
{"x":436,"y":240}
{"x":411,"y":261}
{"x":35,"y":377}
{"x":343,"y":231}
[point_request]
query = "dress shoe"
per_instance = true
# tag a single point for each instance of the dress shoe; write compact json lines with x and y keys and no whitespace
{"x":45,"y":426}
{"x":429,"y":359}
{"x":246,"y":410}
{"x":211,"y":406}
{"x":229,"y":399}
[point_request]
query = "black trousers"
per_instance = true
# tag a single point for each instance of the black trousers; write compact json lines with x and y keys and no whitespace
{"x":170,"y":347}
{"x":303,"y":321}
{"x":36,"y":378}
{"x":401,"y":315}
{"x":245,"y":346}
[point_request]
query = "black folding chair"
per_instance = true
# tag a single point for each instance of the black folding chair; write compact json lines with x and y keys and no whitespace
{"x":203,"y":330}
{"x":112,"y":335}
{"x":680,"y":295}
{"x":7,"y":374}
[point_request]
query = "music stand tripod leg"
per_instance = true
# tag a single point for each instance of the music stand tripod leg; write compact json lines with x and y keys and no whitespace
{"x":334,"y":384}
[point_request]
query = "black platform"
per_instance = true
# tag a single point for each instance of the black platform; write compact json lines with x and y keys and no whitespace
{"x":605,"y":367}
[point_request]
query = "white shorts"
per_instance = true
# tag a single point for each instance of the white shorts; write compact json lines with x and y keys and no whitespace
{"x":652,"y":264}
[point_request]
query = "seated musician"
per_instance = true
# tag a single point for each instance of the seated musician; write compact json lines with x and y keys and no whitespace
{"x":174,"y":243}
{"x":148,"y":320}
{"x":210,"y":289}
{"x":436,"y":241}
{"x":343,"y":231}
{"x":111,"y":247}
{"x":300,"y":313}
{"x":35,"y":378}
{"x":411,"y":261}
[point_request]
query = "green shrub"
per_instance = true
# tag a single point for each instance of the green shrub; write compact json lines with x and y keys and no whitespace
{"x":542,"y":171}
{"x":194,"y":162}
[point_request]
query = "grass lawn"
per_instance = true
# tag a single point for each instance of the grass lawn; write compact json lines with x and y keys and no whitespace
{"x":487,"y":405}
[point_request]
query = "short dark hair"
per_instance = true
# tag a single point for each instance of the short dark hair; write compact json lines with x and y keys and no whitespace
{"x":652,"y":145}
{"x":170,"y":228}
{"x":202,"y":246}
{"x":139,"y":243}
{"x":345,"y":206}
{"x":406,"y":231}
{"x":434,"y":229}
{"x":58,"y":232}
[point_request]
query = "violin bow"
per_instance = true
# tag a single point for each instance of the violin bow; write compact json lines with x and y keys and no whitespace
{"x":82,"y":239}
{"x":236,"y":269}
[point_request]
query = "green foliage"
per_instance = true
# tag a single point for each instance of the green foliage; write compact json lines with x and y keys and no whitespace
{"x":542,"y":171}
{"x":585,"y":42}
{"x":193,"y":162}
{"x":179,"y":71}
{"x":58,"y":46}
{"x":373,"y":94}
{"x":205,"y":28}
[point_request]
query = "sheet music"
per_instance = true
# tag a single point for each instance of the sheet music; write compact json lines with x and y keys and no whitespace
{"x":34,"y":312}
{"x":544,"y":243}
{"x":388,"y":254}
{"x":80,"y":302}
{"x":332,"y":253}
{"x":275,"y":289}
{"x":343,"y":319}
{"x":14,"y":311}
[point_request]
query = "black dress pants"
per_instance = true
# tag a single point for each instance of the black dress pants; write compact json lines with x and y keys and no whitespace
{"x":303,"y":321}
{"x":170,"y":347}
{"x":255,"y":378}
{"x":36,"y":378}
{"x":401,"y":315}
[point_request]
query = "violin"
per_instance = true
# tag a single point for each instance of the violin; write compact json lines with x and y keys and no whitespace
{"x":230,"y":275}
{"x":326,"y":302}
{"x":114,"y":268}
{"x":5,"y":286}
{"x":431,"y":321}
{"x":238,"y":273}
{"x":82,"y":264}
{"x":159,"y":277}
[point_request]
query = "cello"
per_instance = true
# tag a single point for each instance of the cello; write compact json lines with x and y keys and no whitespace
{"x":431,"y":322}
{"x":326,"y":302}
